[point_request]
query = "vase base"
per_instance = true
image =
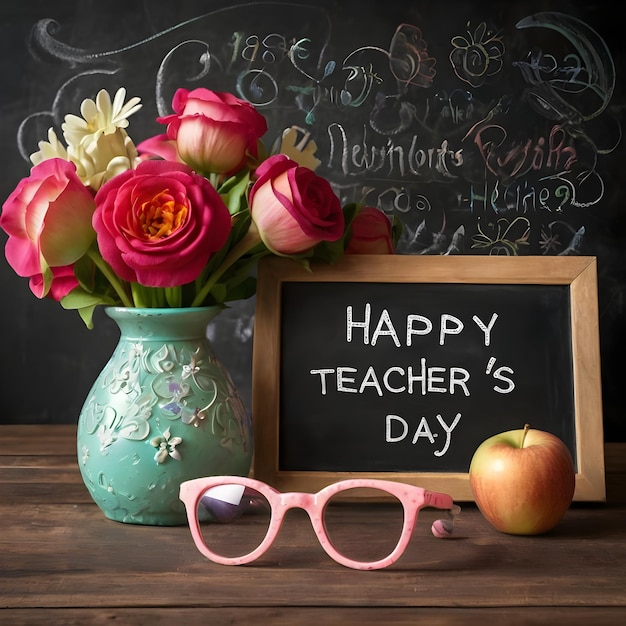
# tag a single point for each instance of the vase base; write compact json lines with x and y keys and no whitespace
{"x":147,"y":520}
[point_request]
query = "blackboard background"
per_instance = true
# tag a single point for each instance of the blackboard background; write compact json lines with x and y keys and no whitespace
{"x":49,"y":359}
{"x":343,"y":431}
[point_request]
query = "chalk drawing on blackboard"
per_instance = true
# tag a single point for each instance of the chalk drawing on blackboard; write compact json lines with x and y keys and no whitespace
{"x":477,"y":56}
{"x":328,"y":68}
{"x":428,"y":122}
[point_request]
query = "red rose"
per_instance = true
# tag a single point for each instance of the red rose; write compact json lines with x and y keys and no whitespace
{"x":371,"y":233}
{"x":159,"y":224}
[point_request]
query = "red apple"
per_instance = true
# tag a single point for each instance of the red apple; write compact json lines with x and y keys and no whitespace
{"x":523,"y":480}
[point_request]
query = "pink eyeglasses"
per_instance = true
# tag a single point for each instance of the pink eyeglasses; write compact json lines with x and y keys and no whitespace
{"x":234,"y":520}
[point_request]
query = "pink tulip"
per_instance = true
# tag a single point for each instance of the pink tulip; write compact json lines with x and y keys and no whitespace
{"x":214,"y":132}
{"x":48,"y":220}
{"x":159,"y":224}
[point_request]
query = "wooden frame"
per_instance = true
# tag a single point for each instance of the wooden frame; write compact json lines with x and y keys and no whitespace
{"x":580,"y":273}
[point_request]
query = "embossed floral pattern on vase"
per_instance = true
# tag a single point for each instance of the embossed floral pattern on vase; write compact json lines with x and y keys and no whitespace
{"x":163,"y":410}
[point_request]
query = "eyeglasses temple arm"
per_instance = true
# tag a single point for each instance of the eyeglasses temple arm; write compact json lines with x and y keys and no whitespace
{"x":442,"y":501}
{"x":442,"y":528}
{"x":438,"y":500}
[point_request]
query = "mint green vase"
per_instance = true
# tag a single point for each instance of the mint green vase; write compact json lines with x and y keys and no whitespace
{"x":163,"y":410}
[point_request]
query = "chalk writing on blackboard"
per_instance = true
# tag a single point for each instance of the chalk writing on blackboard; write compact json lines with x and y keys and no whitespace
{"x":409,"y":376}
{"x":488,"y":128}
{"x":419,"y":379}
{"x":484,"y":135}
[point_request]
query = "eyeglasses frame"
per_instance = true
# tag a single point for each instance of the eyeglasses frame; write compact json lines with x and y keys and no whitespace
{"x":412,"y":498}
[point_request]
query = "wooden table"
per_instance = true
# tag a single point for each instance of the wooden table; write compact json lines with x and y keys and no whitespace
{"x":62,"y":562}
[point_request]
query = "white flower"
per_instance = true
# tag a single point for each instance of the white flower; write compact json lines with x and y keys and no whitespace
{"x":101,"y":117}
{"x":96,"y":143}
{"x":49,"y":149}
{"x":103,"y":159}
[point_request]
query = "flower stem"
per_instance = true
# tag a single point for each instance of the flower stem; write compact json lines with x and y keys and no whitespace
{"x":109,"y":274}
{"x":173,"y":296}
{"x":143,"y":298}
{"x":245,"y":244}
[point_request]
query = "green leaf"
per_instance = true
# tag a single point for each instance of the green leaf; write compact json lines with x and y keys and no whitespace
{"x":233,"y":191}
{"x":329,"y":251}
{"x":84,"y":270}
{"x":243,"y":290}
{"x":219,"y":292}
{"x":350,"y":211}
{"x":78,"y":298}
{"x":86,"y":315}
{"x":396,"y":230}
{"x":85,"y":303}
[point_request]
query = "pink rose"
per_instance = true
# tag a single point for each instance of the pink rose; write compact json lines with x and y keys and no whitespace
{"x":214,"y":132}
{"x":159,"y":146}
{"x":371,"y":233}
{"x":159,"y":224}
{"x":293,"y":208}
{"x":48,"y":220}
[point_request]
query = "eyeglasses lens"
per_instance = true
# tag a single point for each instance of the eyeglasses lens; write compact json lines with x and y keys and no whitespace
{"x":354,"y":519}
{"x":233,"y":519}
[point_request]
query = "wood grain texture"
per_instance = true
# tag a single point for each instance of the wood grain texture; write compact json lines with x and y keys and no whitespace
{"x":61,"y":561}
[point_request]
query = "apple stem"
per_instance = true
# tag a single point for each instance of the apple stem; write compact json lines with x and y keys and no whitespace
{"x":526,"y":429}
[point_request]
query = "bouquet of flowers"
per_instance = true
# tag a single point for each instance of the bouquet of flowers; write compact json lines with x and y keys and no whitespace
{"x":180,"y":219}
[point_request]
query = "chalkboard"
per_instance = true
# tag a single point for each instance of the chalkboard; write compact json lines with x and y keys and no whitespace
{"x":403,"y":365}
{"x":488,"y":127}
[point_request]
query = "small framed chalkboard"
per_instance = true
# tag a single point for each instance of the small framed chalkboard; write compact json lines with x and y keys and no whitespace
{"x":399,"y":366}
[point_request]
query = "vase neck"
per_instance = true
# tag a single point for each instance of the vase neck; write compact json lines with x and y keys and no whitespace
{"x":162,"y":323}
